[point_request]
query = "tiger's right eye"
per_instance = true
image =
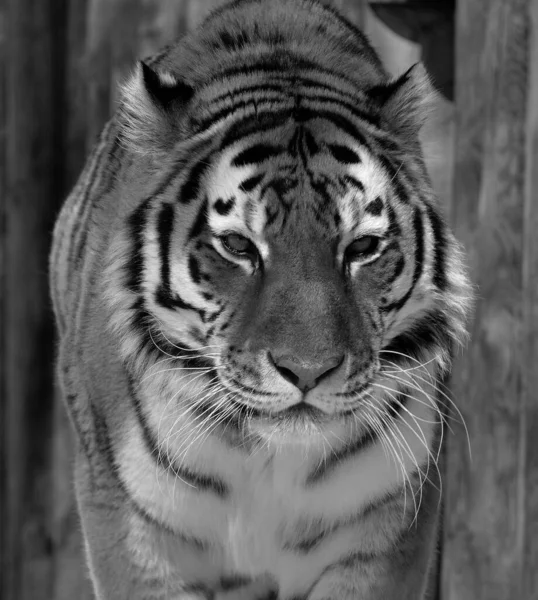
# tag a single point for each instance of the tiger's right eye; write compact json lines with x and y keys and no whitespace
{"x":239,"y":245}
{"x":363,"y":248}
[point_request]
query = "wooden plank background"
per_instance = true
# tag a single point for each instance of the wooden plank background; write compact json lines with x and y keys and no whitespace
{"x":488,"y":534}
{"x":60,"y":61}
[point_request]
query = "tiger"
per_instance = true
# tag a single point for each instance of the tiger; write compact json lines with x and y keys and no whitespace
{"x":258,"y":300}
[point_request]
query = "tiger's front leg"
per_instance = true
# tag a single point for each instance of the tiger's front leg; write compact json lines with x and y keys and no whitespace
{"x":114,"y":572}
{"x":403,"y":573}
{"x":128,"y":559}
{"x":357,"y":579}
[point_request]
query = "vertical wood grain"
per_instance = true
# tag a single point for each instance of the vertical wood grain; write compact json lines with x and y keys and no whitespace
{"x":529,"y":417}
{"x":485,"y":523}
{"x":4,"y":514}
{"x":32,"y":141}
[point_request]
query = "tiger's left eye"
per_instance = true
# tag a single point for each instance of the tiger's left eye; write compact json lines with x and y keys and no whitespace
{"x":238,"y":244}
{"x":363,"y":247}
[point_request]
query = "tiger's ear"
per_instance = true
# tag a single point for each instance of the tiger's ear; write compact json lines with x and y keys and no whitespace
{"x":405,"y":102}
{"x":153,"y":108}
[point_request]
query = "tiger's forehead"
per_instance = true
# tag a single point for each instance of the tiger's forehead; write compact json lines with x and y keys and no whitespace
{"x":266,"y":181}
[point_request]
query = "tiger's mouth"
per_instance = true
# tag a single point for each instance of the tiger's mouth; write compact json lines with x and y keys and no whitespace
{"x":301,"y":411}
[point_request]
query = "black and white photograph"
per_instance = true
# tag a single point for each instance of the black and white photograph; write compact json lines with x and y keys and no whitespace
{"x":269,"y":300}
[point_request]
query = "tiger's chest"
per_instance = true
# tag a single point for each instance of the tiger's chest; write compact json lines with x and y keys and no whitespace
{"x":272,"y":523}
{"x":257,"y":519}
{"x":269,"y":521}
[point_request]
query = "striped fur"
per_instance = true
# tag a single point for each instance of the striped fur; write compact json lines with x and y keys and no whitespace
{"x":257,"y":300}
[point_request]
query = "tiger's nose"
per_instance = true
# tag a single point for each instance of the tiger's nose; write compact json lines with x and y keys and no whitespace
{"x":304,"y":375}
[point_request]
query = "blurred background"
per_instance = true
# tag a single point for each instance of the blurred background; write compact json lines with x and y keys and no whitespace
{"x":60,"y":62}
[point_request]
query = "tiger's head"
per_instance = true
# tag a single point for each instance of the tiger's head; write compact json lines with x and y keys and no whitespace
{"x":282,"y":251}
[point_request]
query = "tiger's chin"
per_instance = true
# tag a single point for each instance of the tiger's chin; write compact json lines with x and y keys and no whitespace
{"x":301,"y":425}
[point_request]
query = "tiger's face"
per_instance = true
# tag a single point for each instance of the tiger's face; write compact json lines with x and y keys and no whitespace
{"x":298,"y":257}
{"x":287,"y":270}
{"x":292,"y":250}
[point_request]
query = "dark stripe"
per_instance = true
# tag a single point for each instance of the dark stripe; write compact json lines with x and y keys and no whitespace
{"x":398,"y":269}
{"x":174,"y":301}
{"x":387,"y":144}
{"x":106,"y":447}
{"x":355,"y":183}
{"x":258,"y":89}
{"x":418,"y":227}
{"x":260,"y":123}
{"x":349,"y":561}
{"x":223,"y":207}
{"x":194,"y":268}
{"x":271,"y":216}
{"x":343,"y":154}
{"x":211,"y":317}
{"x":393,"y":174}
{"x":324,"y":101}
{"x":277,"y":68}
{"x":311,"y":145}
{"x":358,"y":556}
{"x":375,"y":207}
{"x":152,"y":342}
{"x":306,"y":114}
{"x":430,"y":331}
{"x":202,"y":482}
{"x":249,"y":184}
{"x":183,"y":162}
{"x":230,"y":423}
{"x":295,"y":143}
{"x":135,"y":267}
{"x":165,"y":226}
{"x":112,"y":166}
{"x":235,"y":40}
{"x":320,"y":187}
{"x":396,"y":405}
{"x":336,"y":96}
{"x":238,"y":106}
{"x":337,"y":219}
{"x":190,"y":540}
{"x":191,"y":187}
{"x":280,"y":84}
{"x":439,"y":248}
{"x":234,"y":582}
{"x":394,"y":227}
{"x":306,"y":545}
{"x":199,"y":222}
{"x":351,"y":106}
{"x":256,"y":154}
{"x":280,"y":185}
{"x":324,"y":469}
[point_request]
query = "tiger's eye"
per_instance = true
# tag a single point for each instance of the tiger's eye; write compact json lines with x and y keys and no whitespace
{"x":362,"y":247}
{"x":238,"y":244}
